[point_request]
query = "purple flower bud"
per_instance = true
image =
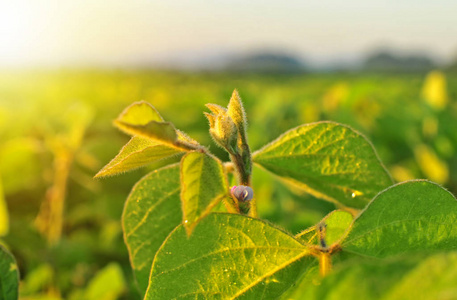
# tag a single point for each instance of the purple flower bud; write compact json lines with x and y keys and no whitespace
{"x":242,"y":193}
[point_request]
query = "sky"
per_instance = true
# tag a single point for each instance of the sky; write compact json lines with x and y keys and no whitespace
{"x":143,"y":32}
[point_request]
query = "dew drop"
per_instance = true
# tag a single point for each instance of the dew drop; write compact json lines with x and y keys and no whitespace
{"x":353,"y":195}
{"x":185,"y":221}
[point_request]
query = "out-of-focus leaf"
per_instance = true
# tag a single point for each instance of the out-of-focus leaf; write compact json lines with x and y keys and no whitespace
{"x":4,"y":216}
{"x":434,"y":90}
{"x":414,"y":216}
{"x":108,"y":284}
{"x":227,"y":256}
{"x":151,"y":212}
{"x":204,"y":184}
{"x":37,"y":280}
{"x":329,"y":160}
{"x":431,"y":165}
{"x":9,"y":276}
{"x":19,"y":154}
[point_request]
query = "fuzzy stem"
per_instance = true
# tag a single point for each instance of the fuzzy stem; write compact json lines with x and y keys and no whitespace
{"x":244,"y":177}
{"x":325,"y":263}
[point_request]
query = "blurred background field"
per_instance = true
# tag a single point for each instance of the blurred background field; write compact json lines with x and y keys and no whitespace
{"x":68,"y":68}
{"x":52,"y":146}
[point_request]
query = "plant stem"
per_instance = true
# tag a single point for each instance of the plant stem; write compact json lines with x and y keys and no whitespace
{"x":244,"y":176}
{"x":325,"y":263}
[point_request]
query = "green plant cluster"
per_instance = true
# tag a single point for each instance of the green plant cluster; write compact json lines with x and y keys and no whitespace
{"x":64,"y":228}
{"x":184,"y":245}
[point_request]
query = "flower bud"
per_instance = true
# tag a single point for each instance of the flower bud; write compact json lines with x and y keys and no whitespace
{"x":222,"y":128}
{"x":243,"y":195}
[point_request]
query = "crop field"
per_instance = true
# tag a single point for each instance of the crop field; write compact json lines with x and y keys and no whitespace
{"x":64,"y":227}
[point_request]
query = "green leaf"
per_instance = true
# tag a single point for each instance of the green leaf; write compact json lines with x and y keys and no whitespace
{"x":151,"y":212}
{"x":204,"y":184}
{"x":402,"y":278}
{"x":9,"y":276}
{"x":138,"y":152}
{"x":140,"y":113}
{"x":408,"y":217}
{"x":163,"y":132}
{"x":227,"y":256}
{"x":108,"y":284}
{"x":142,"y":119}
{"x":329,"y":160}
{"x":337,"y":224}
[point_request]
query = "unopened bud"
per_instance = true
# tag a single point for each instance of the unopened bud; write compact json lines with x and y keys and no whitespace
{"x":243,"y":195}
{"x":223,"y":129}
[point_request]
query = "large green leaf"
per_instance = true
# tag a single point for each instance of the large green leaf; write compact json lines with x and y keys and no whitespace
{"x":328,"y":160}
{"x":204,"y":184}
{"x":138,"y":152}
{"x":9,"y":276}
{"x":151,"y":212}
{"x":227,"y":256}
{"x":402,"y":278}
{"x":409,"y":217}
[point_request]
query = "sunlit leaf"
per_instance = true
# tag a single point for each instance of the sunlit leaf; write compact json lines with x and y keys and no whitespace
{"x":151,"y":212}
{"x":204,"y":184}
{"x":414,"y":216}
{"x":140,"y":113}
{"x":328,"y":160}
{"x":163,"y":132}
{"x":142,"y":119}
{"x":227,"y":256}
{"x":9,"y":276}
{"x":136,"y":153}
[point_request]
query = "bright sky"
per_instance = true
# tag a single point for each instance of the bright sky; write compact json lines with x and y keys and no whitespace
{"x":51,"y":32}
